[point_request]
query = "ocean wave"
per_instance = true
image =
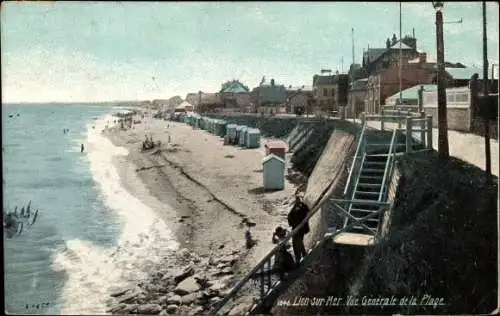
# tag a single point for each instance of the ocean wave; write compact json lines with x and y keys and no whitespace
{"x":93,"y":271}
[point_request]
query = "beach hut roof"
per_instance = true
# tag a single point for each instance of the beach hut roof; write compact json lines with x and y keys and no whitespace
{"x":272,"y":157}
{"x":276,"y":144}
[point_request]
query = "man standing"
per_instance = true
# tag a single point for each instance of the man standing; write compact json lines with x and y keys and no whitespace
{"x":295,"y":218}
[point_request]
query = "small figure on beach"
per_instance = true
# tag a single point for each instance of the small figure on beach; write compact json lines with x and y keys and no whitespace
{"x":284,"y":260}
{"x":295,"y":218}
{"x":82,"y":148}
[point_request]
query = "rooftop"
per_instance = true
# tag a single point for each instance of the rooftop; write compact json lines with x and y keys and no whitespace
{"x":412,"y":93}
{"x":234,"y":87}
{"x":464,"y":73}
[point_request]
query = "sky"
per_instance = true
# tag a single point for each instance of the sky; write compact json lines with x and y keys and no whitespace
{"x":108,"y":51}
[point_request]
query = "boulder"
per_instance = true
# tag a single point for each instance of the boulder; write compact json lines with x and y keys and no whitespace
{"x":189,"y":298}
{"x":117,"y":308}
{"x":174,"y":300}
{"x":187,"y":286}
{"x":128,"y":297}
{"x":149,"y":309}
{"x":181,"y":274}
{"x":214,"y":300}
{"x":230,"y":259}
{"x":224,"y":271}
{"x":202,"y":279}
{"x":131,"y":308}
{"x":172,"y":309}
{"x":217,"y":285}
{"x":162,"y":300}
{"x":119,"y":291}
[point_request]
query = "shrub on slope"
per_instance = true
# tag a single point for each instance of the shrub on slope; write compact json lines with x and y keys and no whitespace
{"x":442,"y":241}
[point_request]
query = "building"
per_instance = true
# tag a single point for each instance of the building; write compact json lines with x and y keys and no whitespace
{"x":356,"y":98}
{"x":235,"y":95}
{"x":269,"y":96}
{"x":330,"y":92}
{"x":299,"y":97}
{"x":376,"y":59}
{"x":386,"y":82}
{"x":409,"y":98}
{"x":208,"y":102}
{"x":459,"y":108}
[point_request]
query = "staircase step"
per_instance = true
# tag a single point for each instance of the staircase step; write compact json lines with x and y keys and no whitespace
{"x":371,"y":177}
{"x":381,"y":170}
{"x":372,"y":193}
{"x":369,"y":185}
{"x":378,"y":163}
{"x":367,"y":207}
{"x":362,"y":210}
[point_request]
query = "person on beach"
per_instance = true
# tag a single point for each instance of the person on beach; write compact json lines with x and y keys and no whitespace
{"x":284,"y":261}
{"x":82,"y":148}
{"x":295,"y":218}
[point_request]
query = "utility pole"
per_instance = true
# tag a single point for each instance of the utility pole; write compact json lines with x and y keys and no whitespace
{"x":486,"y":121}
{"x":353,"y":103}
{"x":443,"y":146}
{"x":400,"y":58}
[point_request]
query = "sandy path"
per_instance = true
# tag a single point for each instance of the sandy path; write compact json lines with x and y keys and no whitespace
{"x":214,"y":189}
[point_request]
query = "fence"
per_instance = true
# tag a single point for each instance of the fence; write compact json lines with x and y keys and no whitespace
{"x":417,"y":125}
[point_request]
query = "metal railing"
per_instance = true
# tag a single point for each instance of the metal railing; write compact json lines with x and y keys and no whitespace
{"x":262,"y":270}
{"x":356,"y":163}
{"x":410,"y":120}
{"x":388,"y":167}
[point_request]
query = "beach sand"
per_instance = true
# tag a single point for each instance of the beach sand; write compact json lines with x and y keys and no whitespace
{"x":215,"y":189}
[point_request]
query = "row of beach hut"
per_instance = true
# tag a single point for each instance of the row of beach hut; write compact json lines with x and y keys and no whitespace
{"x":233,"y":134}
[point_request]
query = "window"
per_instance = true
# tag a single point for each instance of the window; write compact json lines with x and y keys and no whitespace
{"x":450,"y":98}
{"x":325,"y":92}
{"x":462,"y":97}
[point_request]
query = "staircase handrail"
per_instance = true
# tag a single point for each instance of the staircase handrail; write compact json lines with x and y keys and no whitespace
{"x":358,"y":155}
{"x":269,"y":255}
{"x":388,"y":164}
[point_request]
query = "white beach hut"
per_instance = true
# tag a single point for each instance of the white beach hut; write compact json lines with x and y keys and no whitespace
{"x":274,"y":172}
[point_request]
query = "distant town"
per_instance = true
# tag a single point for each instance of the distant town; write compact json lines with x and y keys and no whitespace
{"x":366,"y":87}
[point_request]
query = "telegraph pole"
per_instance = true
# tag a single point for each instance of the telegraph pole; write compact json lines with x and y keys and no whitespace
{"x":486,"y":121}
{"x":443,"y":146}
{"x":400,"y":59}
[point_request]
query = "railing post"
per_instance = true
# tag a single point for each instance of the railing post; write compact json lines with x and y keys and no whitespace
{"x":382,"y":119}
{"x":422,"y":127}
{"x":429,"y":132}
{"x":408,"y":134}
{"x":399,"y":118}
{"x":262,"y":290}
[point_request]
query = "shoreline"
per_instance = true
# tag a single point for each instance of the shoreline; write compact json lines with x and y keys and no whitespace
{"x":210,"y":207}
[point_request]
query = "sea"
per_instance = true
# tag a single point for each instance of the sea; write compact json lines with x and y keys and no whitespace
{"x":91,"y":236}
